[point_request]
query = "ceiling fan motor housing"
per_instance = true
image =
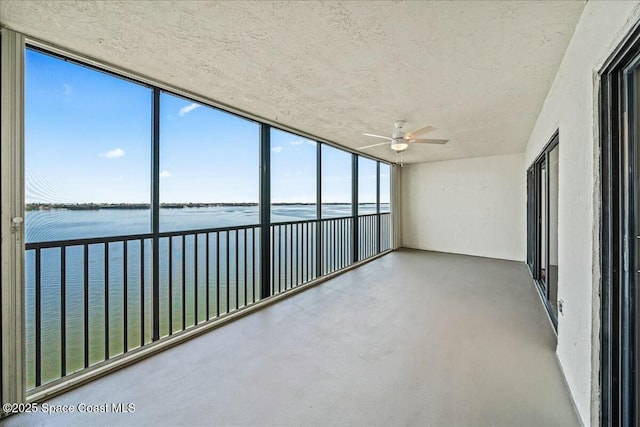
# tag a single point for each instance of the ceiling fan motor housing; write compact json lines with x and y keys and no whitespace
{"x":398,"y":133}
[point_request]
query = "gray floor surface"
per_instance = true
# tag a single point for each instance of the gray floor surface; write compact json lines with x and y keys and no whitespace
{"x":414,"y":338}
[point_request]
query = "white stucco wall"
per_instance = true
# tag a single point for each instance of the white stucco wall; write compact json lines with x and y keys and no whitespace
{"x":571,"y":106}
{"x":471,"y":206}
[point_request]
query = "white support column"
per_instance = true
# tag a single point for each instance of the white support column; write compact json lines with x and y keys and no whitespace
{"x":12,"y":215}
{"x":396,"y":206}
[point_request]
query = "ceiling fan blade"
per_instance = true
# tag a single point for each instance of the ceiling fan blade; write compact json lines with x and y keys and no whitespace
{"x":374,"y":145}
{"x":418,"y":132}
{"x":429,"y":141}
{"x":378,"y":136}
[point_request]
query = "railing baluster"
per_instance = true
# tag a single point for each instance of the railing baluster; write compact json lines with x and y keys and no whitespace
{"x":206,"y":250}
{"x":335,"y":241}
{"x":184,"y":283}
{"x":228,"y":273}
{"x":362,"y":238}
{"x":369,"y":236}
{"x":365,"y":240}
{"x":286,"y":241}
{"x":344,"y":223}
{"x":337,"y":224}
{"x":170,"y":285}
{"x":142,"y":329}
{"x":307,"y":230}
{"x":195,"y":279}
{"x":326,"y":245}
{"x":298,"y":276}
{"x":382,"y":233}
{"x":322,"y":247}
{"x":125,"y":297}
{"x":372,"y":236}
{"x":63,"y":311}
{"x":346,"y":242}
{"x":244,"y":261}
{"x":253,"y":265}
{"x":362,"y":234}
{"x":86,"y":305}
{"x":329,"y":234}
{"x":346,"y":251}
{"x":340,"y":243}
{"x":106,"y":301}
{"x":279,"y":258}
{"x":38,"y":320}
{"x":217,"y":274}
{"x":346,"y":247}
{"x":237,"y":269}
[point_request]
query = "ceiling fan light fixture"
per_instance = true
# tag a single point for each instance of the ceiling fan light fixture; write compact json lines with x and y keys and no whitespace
{"x":399,"y":146}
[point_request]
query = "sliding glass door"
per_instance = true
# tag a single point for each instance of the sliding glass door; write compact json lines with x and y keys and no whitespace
{"x":542,"y":225}
{"x":620,"y":236}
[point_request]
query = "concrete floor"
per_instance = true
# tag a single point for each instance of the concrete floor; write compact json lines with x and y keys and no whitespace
{"x":414,"y":338}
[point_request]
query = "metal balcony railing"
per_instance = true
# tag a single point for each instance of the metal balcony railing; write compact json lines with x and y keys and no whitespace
{"x":92,"y":300}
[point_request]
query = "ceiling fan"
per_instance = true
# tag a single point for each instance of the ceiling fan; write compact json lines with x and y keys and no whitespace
{"x":400,"y":140}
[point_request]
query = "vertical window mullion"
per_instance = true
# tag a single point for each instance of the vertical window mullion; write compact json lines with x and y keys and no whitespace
{"x":354,"y":206}
{"x":378,"y":242}
{"x":155,"y":216}
{"x":318,"y":209}
{"x":265,"y":209}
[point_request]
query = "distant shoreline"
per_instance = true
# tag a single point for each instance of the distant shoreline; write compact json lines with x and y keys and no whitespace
{"x":97,"y":206}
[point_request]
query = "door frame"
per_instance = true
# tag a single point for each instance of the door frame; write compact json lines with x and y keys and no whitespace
{"x":11,"y":217}
{"x":618,"y":305}
{"x":534,"y":226}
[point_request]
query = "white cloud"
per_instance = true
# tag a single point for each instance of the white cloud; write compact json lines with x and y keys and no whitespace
{"x":189,"y":108}
{"x":165,"y":174}
{"x":297,"y":142}
{"x":114,"y":154}
{"x":276,"y":149}
{"x":311,"y":143}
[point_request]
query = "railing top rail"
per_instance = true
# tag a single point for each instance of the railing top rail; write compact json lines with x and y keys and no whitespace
{"x":86,"y":241}
{"x":372,"y":214}
{"x":129,"y":237}
{"x":336,"y":218}
{"x":311,"y":220}
{"x":144,"y":236}
{"x":302,"y":221}
{"x":206,"y":230}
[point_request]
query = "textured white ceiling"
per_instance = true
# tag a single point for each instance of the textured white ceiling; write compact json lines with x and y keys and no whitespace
{"x":477,"y":71}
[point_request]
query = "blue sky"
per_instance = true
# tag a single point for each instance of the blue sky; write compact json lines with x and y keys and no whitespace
{"x":88,"y":139}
